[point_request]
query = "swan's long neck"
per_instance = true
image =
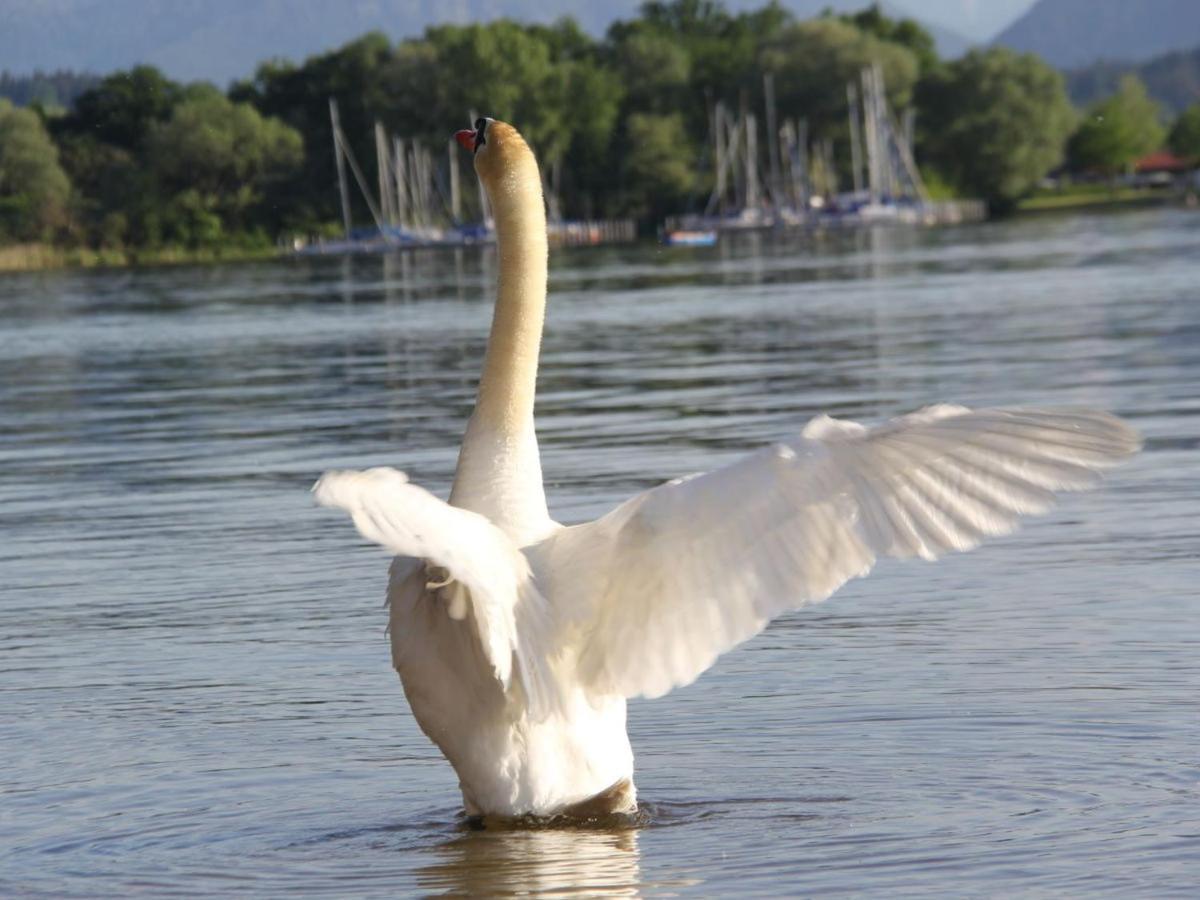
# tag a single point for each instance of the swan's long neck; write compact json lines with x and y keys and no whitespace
{"x":499,"y":472}
{"x":506,"y":388}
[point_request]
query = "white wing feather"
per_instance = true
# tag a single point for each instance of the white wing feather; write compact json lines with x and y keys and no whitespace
{"x":510,"y":615}
{"x":650,"y":594}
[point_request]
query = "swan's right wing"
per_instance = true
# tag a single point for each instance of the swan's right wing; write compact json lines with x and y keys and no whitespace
{"x":650,"y":594}
{"x":501,"y":600}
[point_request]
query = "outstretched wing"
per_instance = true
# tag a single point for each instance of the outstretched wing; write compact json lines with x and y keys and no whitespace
{"x":509,"y":614}
{"x":651,"y":593}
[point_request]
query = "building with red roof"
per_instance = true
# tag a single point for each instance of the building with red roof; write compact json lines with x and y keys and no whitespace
{"x":1162,"y":161}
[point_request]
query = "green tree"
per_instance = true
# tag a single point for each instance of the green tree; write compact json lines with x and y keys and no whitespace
{"x":993,"y":123}
{"x":1184,"y":139}
{"x":121,"y":108}
{"x":33,"y":187}
{"x":565,"y":39}
{"x":658,"y":175}
{"x":721,"y":52}
{"x":217,"y":159}
{"x":299,"y":96}
{"x":814,"y":60}
{"x":116,"y":196}
{"x":548,"y":80}
{"x":103,"y":150}
{"x":545,"y":79}
{"x":908,"y":33}
{"x":592,"y":111}
{"x":656,"y":70}
{"x":508,"y":72}
{"x":1118,"y":130}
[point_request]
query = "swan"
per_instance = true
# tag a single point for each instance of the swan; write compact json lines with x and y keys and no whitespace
{"x":518,"y":640}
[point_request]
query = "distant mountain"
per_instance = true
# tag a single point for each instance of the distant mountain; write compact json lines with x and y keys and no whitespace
{"x":1173,"y":80}
{"x":951,"y":43}
{"x":1074,"y":33}
{"x":219,"y":40}
{"x":977,"y":20}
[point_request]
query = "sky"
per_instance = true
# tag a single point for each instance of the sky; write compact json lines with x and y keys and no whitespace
{"x":224,"y":39}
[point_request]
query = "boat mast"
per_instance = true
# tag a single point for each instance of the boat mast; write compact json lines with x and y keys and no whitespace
{"x":753,"y":197}
{"x":716,"y":201}
{"x":342,"y":150}
{"x":341,"y":165}
{"x":855,"y":136}
{"x":773,"y":138}
{"x":400,"y":175}
{"x":383,"y":165}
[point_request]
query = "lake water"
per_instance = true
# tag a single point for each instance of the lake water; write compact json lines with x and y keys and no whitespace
{"x":195,"y":690}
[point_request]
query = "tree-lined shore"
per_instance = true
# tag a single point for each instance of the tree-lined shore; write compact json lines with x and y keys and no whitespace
{"x":143,"y":168}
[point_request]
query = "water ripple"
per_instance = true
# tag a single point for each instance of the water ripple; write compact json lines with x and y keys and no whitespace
{"x":195,"y":695}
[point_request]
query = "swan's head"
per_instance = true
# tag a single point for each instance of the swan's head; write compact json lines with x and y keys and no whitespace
{"x":499,"y":150}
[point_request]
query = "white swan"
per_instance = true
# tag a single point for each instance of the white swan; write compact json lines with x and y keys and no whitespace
{"x":518,"y":640}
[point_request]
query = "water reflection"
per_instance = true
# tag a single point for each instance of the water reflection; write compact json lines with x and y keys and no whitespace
{"x":192,"y":669}
{"x":546,"y":862}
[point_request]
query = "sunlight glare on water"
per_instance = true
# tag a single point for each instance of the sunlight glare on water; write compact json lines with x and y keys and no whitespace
{"x":195,"y":689}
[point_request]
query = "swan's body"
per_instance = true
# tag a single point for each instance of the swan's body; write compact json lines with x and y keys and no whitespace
{"x":518,"y":640}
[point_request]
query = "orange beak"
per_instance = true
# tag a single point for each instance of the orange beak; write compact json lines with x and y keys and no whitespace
{"x":466,"y":138}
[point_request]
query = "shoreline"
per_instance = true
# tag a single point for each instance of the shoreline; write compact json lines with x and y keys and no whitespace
{"x":41,"y":257}
{"x":1121,"y":198}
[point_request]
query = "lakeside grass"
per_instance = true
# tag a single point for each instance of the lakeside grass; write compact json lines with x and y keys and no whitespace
{"x":35,"y":257}
{"x":1091,"y":195}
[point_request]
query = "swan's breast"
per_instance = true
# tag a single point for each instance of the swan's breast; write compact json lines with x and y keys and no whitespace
{"x":507,"y":764}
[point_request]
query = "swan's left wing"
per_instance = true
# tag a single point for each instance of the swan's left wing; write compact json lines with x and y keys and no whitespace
{"x":508,"y":612}
{"x":651,"y":593}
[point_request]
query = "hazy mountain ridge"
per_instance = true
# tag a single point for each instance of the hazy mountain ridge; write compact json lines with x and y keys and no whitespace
{"x":977,"y":20}
{"x":1074,"y":33}
{"x":221,"y":40}
{"x":1172,"y":79}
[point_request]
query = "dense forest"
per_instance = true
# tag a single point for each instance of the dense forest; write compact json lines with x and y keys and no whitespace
{"x":621,"y":124}
{"x":46,"y":89}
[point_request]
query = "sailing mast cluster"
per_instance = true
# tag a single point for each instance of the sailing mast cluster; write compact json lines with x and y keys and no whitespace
{"x":797,"y":181}
{"x":414,"y":204}
{"x":417,"y":202}
{"x":800,"y":183}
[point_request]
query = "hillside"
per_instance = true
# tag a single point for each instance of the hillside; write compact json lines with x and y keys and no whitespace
{"x":221,"y":40}
{"x":1074,"y":33}
{"x":1173,"y":80}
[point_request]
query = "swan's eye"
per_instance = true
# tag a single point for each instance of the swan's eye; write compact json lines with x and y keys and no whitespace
{"x":480,"y":133}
